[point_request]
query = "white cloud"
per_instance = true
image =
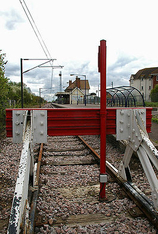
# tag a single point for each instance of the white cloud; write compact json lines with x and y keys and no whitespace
{"x":72,"y":31}
{"x":12,"y":19}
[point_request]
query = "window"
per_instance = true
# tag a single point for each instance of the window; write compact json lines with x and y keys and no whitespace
{"x":157,"y":78}
{"x":149,"y":87}
{"x":142,"y":87}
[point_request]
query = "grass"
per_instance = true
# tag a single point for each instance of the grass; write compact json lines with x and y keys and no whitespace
{"x":155,"y":119}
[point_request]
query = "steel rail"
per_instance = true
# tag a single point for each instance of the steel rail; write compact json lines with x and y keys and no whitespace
{"x":139,"y":198}
{"x":35,"y":193}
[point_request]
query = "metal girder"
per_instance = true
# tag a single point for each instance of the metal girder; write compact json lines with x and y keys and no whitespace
{"x":39,"y":126}
{"x":150,"y":174}
{"x":124,"y":165}
{"x":138,"y":141}
{"x":85,"y":121}
{"x":150,"y":149}
{"x":127,"y":127}
{"x":19,"y":124}
{"x":20,"y":206}
{"x":21,"y":190}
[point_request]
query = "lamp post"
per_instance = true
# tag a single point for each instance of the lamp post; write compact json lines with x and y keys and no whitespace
{"x":40,"y":96}
{"x":77,"y":91}
{"x":21,"y":64}
{"x":85,"y":85}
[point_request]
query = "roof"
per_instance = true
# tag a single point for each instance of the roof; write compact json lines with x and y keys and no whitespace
{"x":145,"y":73}
{"x":82,"y":85}
{"x":78,"y":90}
{"x":62,"y":93}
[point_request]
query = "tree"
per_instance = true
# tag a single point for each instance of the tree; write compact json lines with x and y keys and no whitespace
{"x":154,"y":94}
{"x":3,"y":89}
{"x":14,"y":93}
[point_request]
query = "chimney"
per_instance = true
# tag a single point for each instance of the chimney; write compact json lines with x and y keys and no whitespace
{"x":77,"y":82}
{"x":70,"y":82}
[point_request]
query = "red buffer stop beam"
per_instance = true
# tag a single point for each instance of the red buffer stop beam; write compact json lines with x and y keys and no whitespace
{"x":73,"y":122}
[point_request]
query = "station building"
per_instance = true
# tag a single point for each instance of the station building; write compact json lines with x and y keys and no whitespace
{"x":74,"y":93}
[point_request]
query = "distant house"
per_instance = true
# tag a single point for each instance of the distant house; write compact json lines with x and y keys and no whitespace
{"x":145,"y":80}
{"x":75,"y":92}
{"x":80,"y":84}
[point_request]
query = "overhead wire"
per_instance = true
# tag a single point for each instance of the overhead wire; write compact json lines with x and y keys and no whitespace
{"x":37,"y":33}
{"x":37,"y":30}
{"x":34,"y":27}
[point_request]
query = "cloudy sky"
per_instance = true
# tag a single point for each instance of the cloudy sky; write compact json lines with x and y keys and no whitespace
{"x":72,"y":30}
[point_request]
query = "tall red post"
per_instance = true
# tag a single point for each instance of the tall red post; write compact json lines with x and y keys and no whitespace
{"x":102,"y":70}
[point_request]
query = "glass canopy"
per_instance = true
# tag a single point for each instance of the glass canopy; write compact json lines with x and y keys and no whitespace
{"x":124,"y":96}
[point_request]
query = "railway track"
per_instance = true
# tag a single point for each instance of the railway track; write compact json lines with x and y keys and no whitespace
{"x":64,"y":194}
{"x":68,"y":199}
{"x":57,"y":191}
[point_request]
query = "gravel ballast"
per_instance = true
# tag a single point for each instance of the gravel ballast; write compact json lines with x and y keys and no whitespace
{"x":63,"y":196}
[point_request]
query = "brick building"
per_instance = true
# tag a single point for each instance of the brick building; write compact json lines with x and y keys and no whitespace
{"x":75,"y":92}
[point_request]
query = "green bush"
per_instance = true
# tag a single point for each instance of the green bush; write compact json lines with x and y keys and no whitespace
{"x":3,"y":90}
{"x":155,"y":120}
{"x":154,"y":94}
{"x":151,"y":104}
